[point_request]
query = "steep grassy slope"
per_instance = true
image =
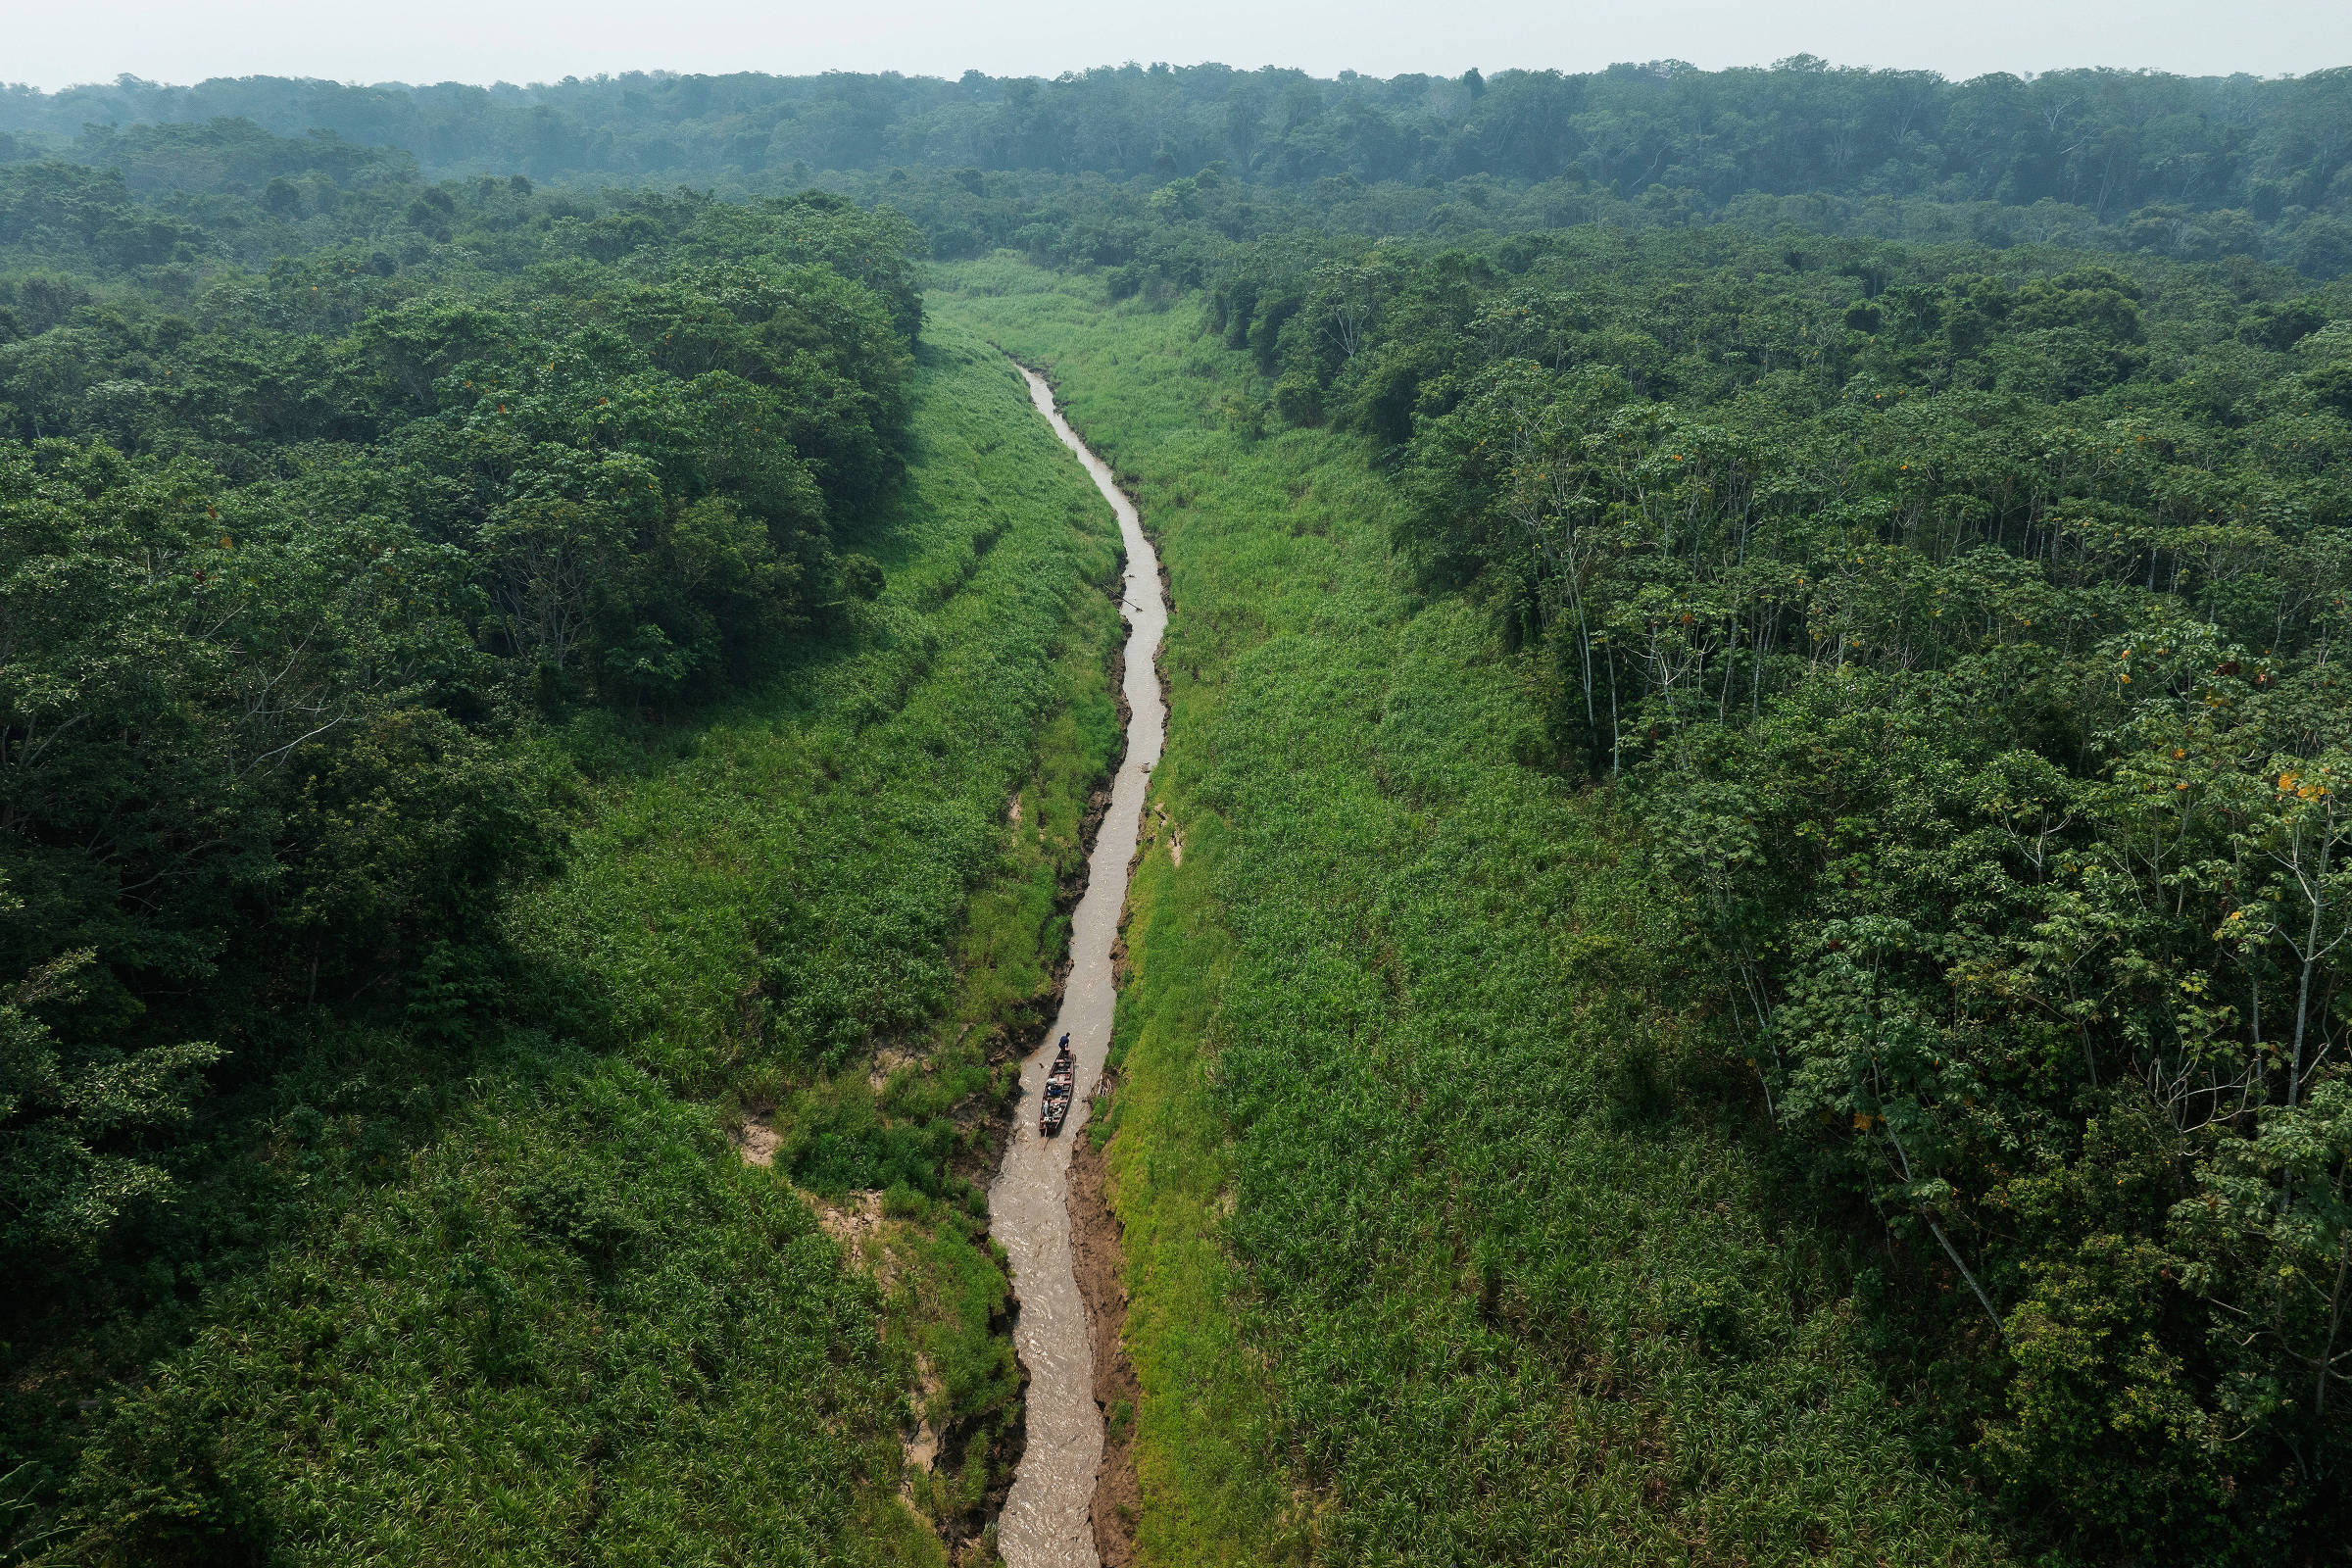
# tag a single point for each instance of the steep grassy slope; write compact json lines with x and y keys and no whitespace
{"x":548,"y":1313}
{"x":1446,"y":1244}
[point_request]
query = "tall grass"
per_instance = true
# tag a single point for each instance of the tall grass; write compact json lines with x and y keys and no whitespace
{"x":1444,"y":1244}
{"x":555,"y":1316}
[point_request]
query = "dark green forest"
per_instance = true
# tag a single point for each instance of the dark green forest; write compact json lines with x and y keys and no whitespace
{"x":1906,"y":521}
{"x":285,"y":570}
{"x":382,"y":590}
{"x":1962,"y":628}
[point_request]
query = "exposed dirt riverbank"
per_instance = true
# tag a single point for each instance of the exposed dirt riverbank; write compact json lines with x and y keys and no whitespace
{"x":1095,"y":1257}
{"x":1047,"y":1520}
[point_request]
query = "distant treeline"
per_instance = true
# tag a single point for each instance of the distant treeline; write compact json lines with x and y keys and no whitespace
{"x":2187,"y":167}
{"x":2108,"y":140}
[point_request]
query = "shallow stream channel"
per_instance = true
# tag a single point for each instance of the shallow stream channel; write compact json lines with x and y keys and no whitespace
{"x":1045,"y":1521}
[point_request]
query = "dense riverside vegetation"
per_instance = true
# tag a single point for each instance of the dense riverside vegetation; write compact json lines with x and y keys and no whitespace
{"x":1965,"y":634}
{"x":1757,"y":967}
{"x":1951,"y":640}
{"x":287,"y":573}
{"x":1439,"y":1250}
{"x":480,"y":720}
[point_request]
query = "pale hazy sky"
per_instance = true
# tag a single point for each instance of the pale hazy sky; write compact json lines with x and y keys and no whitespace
{"x":49,"y":44}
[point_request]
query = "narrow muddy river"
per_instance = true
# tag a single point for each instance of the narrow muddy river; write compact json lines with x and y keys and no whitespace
{"x":1044,"y":1523}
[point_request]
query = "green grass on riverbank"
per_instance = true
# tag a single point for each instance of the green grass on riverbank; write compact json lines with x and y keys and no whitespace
{"x":1446,"y":1244}
{"x":538,"y":1308}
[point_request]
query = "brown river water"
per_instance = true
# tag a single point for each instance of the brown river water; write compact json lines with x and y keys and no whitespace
{"x":1044,"y":1523}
